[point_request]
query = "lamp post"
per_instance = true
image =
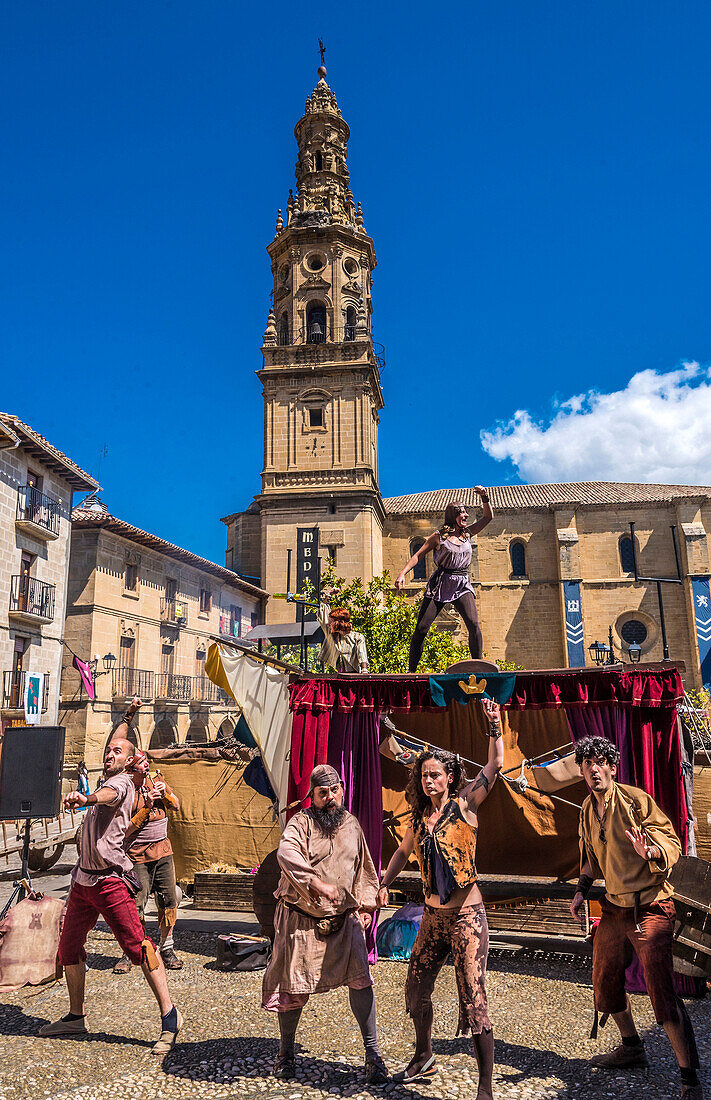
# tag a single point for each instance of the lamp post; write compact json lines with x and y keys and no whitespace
{"x":599,"y":652}
{"x":109,"y":662}
{"x":634,"y":652}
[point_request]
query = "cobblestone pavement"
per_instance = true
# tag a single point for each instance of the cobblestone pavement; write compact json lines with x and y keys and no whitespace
{"x":540,"y":1005}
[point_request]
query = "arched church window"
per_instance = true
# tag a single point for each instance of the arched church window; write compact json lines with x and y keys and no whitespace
{"x":419,"y":573}
{"x":315,"y":323}
{"x":626,"y":554}
{"x":350,"y":331}
{"x":318,"y":161}
{"x":284,"y":328}
{"x":517,"y":553}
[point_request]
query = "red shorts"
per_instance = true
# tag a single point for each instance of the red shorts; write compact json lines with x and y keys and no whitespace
{"x":110,"y":899}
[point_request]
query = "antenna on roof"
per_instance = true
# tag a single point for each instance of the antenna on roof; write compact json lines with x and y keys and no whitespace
{"x":102,"y":454}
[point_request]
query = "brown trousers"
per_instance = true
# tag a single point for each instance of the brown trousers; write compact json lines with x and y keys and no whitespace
{"x":614,"y":939}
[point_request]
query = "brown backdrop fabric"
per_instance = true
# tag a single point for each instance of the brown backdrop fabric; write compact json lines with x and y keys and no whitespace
{"x":519,"y":833}
{"x":221,"y":819}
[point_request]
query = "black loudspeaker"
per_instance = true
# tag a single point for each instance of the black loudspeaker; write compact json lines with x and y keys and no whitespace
{"x":31,"y":771}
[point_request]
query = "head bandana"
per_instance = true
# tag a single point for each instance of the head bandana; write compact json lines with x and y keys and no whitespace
{"x":138,"y":758}
{"x":324,"y":776}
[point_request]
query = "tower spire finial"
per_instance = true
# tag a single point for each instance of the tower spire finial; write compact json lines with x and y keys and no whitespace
{"x":322,"y":67}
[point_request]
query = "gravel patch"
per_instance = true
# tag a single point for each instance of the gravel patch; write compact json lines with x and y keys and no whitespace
{"x":540,"y":1003}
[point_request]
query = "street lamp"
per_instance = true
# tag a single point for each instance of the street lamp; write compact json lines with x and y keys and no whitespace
{"x":599,"y":652}
{"x":634,"y":652}
{"x":109,"y":662}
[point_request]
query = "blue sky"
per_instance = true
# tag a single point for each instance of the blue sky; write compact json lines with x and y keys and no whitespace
{"x":534,"y":176}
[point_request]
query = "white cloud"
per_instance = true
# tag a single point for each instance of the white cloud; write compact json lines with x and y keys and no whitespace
{"x":657,"y":429}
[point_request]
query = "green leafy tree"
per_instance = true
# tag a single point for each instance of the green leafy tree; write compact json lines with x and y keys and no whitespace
{"x":387,"y":620}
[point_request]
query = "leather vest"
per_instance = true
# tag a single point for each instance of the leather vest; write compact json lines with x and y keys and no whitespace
{"x":455,"y":840}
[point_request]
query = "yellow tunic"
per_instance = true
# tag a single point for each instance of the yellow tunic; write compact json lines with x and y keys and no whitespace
{"x":624,"y":871}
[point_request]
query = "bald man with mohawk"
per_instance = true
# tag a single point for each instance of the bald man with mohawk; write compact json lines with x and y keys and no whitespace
{"x":326,"y":898}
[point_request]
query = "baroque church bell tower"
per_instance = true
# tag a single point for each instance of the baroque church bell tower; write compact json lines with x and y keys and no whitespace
{"x":320,"y":374}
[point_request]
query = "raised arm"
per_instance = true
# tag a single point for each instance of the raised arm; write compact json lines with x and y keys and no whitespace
{"x":121,"y":731}
{"x":396,"y":865}
{"x":476,"y":791}
{"x":430,"y":544}
{"x":488,"y":513}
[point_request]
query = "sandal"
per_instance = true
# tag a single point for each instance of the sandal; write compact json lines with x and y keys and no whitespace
{"x":427,"y":1070}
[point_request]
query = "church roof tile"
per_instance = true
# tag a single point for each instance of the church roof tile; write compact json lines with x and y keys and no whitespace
{"x":515,"y":497}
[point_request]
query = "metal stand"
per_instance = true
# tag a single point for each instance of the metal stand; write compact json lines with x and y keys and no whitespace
{"x":22,"y":887}
{"x":659,"y":581}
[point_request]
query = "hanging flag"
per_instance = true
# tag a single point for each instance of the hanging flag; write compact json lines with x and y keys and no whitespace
{"x":574,"y":624}
{"x":262,"y":691}
{"x":34,"y":690}
{"x":702,"y":614}
{"x":87,"y":678}
{"x":492,"y":685}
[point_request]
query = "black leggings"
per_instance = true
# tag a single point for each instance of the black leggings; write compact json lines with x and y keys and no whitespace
{"x":430,"y":609}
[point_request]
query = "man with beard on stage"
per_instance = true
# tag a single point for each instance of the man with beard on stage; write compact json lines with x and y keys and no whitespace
{"x":326,"y":899}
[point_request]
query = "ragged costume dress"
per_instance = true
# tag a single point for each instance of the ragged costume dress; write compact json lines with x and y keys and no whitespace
{"x":319,"y":945}
{"x":637,"y":895}
{"x":446,"y":857}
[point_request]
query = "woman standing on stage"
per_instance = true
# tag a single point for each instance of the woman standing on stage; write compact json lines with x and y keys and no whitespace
{"x":452,"y":553}
{"x":443,"y":835}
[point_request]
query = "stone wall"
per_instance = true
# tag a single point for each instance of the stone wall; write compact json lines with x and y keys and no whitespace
{"x":44,"y":649}
{"x":103,"y":612}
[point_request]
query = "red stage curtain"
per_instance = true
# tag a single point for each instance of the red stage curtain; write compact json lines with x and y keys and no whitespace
{"x":411,"y":693}
{"x":533,"y":691}
{"x":656,"y":763}
{"x":581,"y":687}
{"x":309,"y":747}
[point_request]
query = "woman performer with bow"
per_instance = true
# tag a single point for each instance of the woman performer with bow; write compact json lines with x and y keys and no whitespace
{"x":452,"y":553}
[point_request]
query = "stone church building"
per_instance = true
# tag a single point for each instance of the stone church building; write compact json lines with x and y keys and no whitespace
{"x":553,"y":571}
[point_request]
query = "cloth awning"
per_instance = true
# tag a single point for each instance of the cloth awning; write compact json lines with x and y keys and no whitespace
{"x":284,"y":632}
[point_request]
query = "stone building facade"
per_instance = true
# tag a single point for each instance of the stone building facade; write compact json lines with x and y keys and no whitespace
{"x":552,"y":572}
{"x":154,"y":607}
{"x":320,"y":373}
{"x":546,"y":541}
{"x":36,"y":486}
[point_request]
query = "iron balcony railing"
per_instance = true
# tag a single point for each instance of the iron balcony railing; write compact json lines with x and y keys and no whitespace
{"x":35,"y":507}
{"x":204,"y":691}
{"x":13,"y":691}
{"x":128,"y":682}
{"x":30,"y":596}
{"x":176,"y":688}
{"x":342,"y":334}
{"x":173,"y":610}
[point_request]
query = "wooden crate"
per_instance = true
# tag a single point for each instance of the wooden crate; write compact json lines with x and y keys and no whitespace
{"x":537,"y":916}
{"x":534,"y":905}
{"x":691,"y":879}
{"x":229,"y":892}
{"x":702,"y":807}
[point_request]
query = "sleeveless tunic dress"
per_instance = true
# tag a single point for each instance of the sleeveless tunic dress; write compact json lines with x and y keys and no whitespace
{"x":450,"y":579}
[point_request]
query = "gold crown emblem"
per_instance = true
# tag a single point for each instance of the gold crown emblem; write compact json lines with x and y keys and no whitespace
{"x":472,"y":686}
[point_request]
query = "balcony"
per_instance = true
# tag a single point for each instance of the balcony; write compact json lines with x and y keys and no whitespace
{"x":204,"y":691}
{"x":174,"y":688}
{"x":31,"y":600}
{"x":13,"y":693}
{"x":38,"y":515}
{"x":173,"y":611}
{"x":335,"y":334}
{"x":128,"y":682}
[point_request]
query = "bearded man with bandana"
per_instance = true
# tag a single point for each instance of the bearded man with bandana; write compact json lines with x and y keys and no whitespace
{"x":326,"y":898}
